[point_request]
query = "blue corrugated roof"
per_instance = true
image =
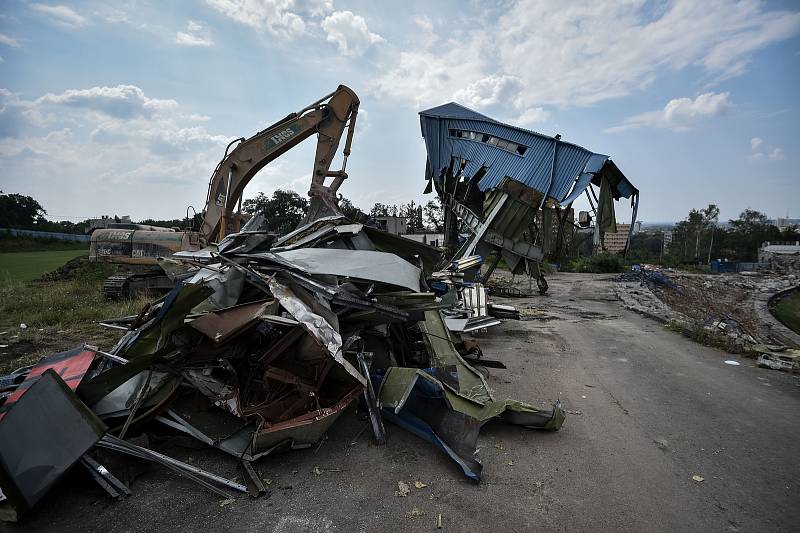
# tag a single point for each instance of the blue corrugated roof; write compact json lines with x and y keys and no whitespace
{"x":454,"y":110}
{"x":535,"y":168}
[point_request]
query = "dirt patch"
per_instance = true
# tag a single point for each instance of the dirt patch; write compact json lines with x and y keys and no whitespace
{"x":68,"y":270}
{"x":16,"y":350}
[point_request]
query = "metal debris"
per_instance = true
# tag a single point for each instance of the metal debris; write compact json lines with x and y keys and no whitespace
{"x":261,"y":346}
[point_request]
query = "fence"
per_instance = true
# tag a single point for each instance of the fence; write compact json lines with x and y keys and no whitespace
{"x":47,"y":234}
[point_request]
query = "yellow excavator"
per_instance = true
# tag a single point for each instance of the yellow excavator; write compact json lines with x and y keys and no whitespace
{"x":137,"y":246}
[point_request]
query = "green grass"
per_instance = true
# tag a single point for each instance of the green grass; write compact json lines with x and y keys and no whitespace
{"x":601,"y":263}
{"x":788,"y":311}
{"x":25,"y":266}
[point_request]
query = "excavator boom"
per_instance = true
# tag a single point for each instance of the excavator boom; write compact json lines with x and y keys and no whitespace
{"x":327,"y":117}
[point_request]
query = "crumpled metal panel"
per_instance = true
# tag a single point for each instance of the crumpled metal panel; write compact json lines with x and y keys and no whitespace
{"x":358,"y":264}
{"x":534,"y":169}
{"x":227,"y":284}
{"x":316,"y":325}
{"x":465,"y":380}
{"x":35,"y":448}
{"x":225,"y":323}
{"x":70,"y":365}
{"x":421,"y":402}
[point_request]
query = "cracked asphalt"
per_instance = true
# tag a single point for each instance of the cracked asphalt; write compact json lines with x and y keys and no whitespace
{"x":648,"y":409}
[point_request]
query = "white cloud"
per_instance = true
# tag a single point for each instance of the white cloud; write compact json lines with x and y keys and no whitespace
{"x":761,"y":150}
{"x":115,"y":144}
{"x":428,"y":76}
{"x":423,"y":34}
{"x":278,"y":17}
{"x":489,"y":91}
{"x":501,"y":92}
{"x":8,"y":40}
{"x":317,"y":8}
{"x":62,"y":15}
{"x":532,"y":115}
{"x":196,"y":34}
{"x":584,"y":52}
{"x":680,"y":113}
{"x":121,"y":102}
{"x":349,"y":32}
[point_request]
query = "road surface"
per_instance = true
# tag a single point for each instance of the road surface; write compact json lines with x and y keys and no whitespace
{"x":649,"y":410}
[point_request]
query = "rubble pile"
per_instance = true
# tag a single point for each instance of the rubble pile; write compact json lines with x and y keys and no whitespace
{"x":260,"y":347}
{"x":731,"y":309}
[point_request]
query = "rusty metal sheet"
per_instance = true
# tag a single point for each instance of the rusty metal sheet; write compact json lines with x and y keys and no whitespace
{"x":71,"y":366}
{"x":226,"y":323}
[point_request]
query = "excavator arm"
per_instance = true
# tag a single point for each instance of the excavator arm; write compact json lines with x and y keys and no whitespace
{"x":327,"y":117}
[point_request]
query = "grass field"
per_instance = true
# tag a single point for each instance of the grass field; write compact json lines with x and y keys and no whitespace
{"x":24,"y":266}
{"x":788,"y":311}
{"x":58,"y":315}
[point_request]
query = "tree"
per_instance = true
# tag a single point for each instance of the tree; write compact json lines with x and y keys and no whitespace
{"x":434,"y":215}
{"x":18,"y":211}
{"x":350,"y":210}
{"x":413,"y":215}
{"x":192,"y":223}
{"x":383,"y":210}
{"x":282,"y":212}
{"x":749,"y":231}
{"x":688,"y":234}
{"x":646,"y":247}
{"x":710,"y":217}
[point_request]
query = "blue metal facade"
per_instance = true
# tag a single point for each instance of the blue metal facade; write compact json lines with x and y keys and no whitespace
{"x":535,"y":168}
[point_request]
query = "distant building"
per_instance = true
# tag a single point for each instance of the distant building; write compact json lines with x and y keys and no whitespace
{"x":615,"y":242}
{"x":783,"y":223}
{"x":667,"y":239}
{"x":431,"y":239}
{"x":392,"y":224}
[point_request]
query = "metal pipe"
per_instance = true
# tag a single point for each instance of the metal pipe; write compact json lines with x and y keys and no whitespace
{"x":174,"y":462}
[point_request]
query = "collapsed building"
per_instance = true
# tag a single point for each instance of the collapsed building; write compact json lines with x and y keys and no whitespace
{"x":512,"y":189}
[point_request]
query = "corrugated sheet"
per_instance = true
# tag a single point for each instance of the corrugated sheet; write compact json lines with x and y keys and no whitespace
{"x":534,"y":168}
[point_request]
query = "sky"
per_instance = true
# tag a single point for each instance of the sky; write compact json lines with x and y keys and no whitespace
{"x":126,"y":107}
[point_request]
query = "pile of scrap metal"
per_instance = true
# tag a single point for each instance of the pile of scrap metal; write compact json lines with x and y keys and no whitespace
{"x":262,"y":344}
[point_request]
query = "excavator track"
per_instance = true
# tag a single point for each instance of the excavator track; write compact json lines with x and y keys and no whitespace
{"x":116,"y":287}
{"x":132,"y":284}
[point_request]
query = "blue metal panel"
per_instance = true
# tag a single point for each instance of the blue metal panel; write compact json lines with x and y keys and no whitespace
{"x":580,"y":186}
{"x":535,"y":168}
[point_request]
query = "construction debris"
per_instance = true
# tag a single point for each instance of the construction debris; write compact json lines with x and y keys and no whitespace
{"x":787,"y":362}
{"x":259,"y":348}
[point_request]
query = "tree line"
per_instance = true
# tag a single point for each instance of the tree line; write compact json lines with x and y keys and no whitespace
{"x":284,"y":210}
{"x":18,"y":211}
{"x":700,"y":238}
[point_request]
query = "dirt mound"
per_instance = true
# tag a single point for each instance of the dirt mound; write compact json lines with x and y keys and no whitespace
{"x":66,"y":271}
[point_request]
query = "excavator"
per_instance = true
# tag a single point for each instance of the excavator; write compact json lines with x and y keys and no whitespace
{"x":139,"y":247}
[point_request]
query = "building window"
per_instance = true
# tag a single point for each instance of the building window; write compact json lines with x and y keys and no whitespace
{"x":484,"y":138}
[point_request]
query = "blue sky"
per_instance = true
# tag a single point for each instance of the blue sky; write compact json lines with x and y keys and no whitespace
{"x":127,"y":109}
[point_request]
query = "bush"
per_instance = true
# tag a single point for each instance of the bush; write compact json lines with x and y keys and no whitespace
{"x":600,"y":264}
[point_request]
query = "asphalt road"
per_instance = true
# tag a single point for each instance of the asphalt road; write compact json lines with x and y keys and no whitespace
{"x":649,"y":409}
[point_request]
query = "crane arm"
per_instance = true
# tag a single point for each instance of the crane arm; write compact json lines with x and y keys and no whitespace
{"x":327,"y":119}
